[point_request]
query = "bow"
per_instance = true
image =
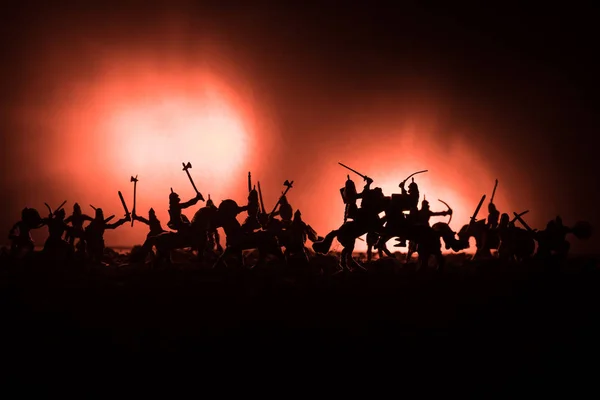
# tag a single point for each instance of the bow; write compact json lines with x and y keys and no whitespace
{"x":449,"y":210}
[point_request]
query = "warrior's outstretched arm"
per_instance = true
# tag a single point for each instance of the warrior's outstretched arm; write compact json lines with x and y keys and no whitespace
{"x":190,"y":203}
{"x":141,"y":219}
{"x":118,"y":223}
{"x":438,"y":214}
{"x":84,"y":217}
{"x":402,"y":189}
{"x":366,"y":188}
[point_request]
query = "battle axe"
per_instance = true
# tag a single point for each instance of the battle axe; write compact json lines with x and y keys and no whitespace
{"x":186,"y":168}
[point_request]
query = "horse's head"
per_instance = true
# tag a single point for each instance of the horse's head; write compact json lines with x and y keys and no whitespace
{"x":448,"y":235}
{"x":474,"y":230}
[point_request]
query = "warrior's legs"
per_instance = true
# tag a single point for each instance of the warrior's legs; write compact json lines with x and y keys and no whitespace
{"x":382,"y":247}
{"x":221,"y":259}
{"x":343,"y":260}
{"x":441,"y":261}
{"x":228,"y":252}
{"x":412,"y":248}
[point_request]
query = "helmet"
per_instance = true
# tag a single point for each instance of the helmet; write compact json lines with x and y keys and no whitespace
{"x":349,"y":191}
{"x":210,"y":203}
{"x":297,"y":215}
{"x":173,"y":197}
{"x":152,"y":212}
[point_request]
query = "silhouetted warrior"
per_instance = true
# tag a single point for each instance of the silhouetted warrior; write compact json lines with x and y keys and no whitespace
{"x":298,"y":232}
{"x":253,"y":208}
{"x":214,"y":239}
{"x":514,"y":243}
{"x":76,"y":220}
{"x":285,"y":211}
{"x":350,"y":196}
{"x":412,"y":194}
{"x":179,"y":222}
{"x":424,"y":214}
{"x":553,"y":239}
{"x":237,"y":239}
{"x":493,"y":216}
{"x":94,"y":234}
{"x":56,"y":229}
{"x":20,"y":232}
{"x":410,"y":201}
{"x":152,"y":221}
{"x":420,"y":218}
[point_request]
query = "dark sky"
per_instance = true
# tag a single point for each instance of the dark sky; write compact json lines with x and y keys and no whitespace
{"x":522,"y":81}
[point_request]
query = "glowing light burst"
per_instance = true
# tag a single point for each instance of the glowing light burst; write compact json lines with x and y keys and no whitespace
{"x":156,"y":137}
{"x":460,"y":184}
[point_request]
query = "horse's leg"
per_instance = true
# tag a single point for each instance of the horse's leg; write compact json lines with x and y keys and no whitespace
{"x":353,"y":264}
{"x":305,"y":254}
{"x":411,"y":249}
{"x":324,"y":245}
{"x":343,"y":261}
{"x":441,"y":261}
{"x":423,"y":259}
{"x":382,"y":246}
{"x":275,"y":249}
{"x":221,"y":259}
{"x":387,"y":251}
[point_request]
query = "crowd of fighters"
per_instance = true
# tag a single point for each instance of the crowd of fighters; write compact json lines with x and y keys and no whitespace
{"x":269,"y":232}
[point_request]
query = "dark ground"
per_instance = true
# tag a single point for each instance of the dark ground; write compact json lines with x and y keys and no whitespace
{"x":481,"y":327}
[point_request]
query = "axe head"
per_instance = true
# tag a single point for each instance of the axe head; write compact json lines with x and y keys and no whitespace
{"x":187,"y":166}
{"x":134,"y":179}
{"x":288,"y":183}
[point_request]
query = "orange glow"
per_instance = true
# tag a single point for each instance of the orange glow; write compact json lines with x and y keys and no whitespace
{"x":456,"y":175}
{"x":134,"y":118}
{"x":156,"y":137}
{"x":140,"y":116}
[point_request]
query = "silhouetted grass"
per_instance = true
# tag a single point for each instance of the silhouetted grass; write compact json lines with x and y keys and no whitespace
{"x":468,"y":318}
